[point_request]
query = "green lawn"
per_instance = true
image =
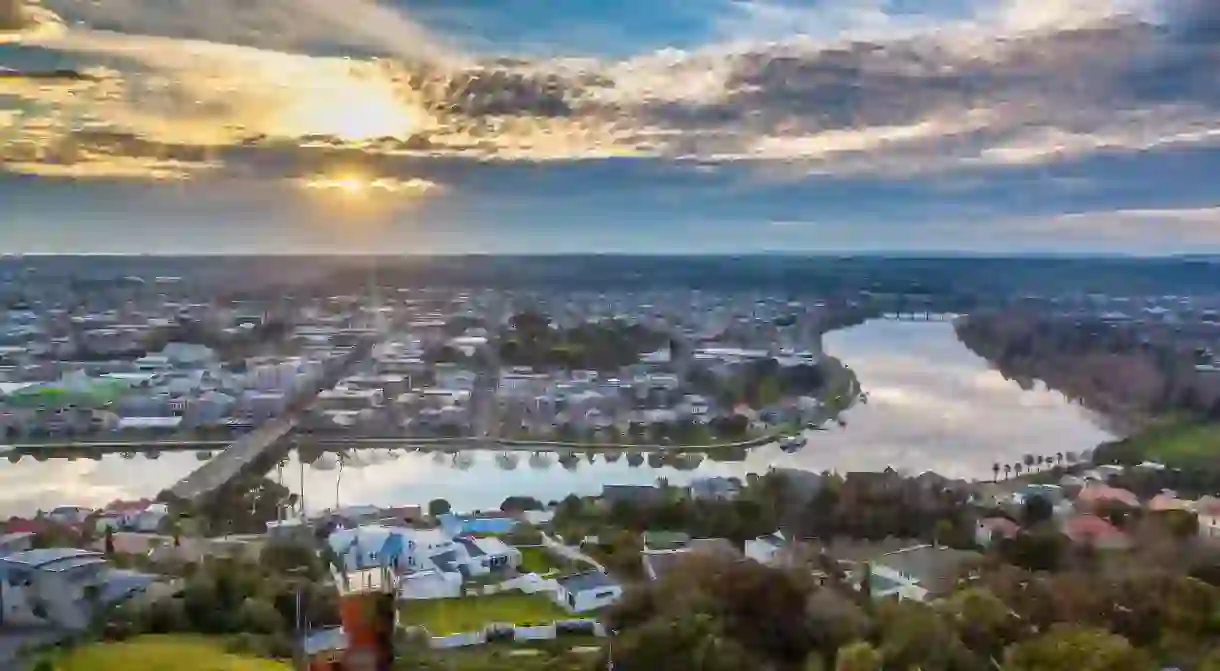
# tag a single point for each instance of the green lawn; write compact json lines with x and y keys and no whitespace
{"x":451,"y":616}
{"x":1175,"y":442}
{"x":537,"y":560}
{"x":161,"y":653}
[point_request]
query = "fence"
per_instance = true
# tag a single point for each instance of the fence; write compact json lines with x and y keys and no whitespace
{"x":500,"y":631}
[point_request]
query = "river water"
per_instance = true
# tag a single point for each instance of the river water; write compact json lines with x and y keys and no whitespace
{"x":932,"y":405}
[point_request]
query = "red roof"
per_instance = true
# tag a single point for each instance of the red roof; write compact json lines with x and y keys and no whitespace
{"x":1096,"y":493}
{"x":1089,"y":527}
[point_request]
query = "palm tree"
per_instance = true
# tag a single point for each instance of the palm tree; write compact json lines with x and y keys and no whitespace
{"x":1041,"y":461}
{"x":1018,"y":468}
{"x":1059,"y":458}
{"x":995,"y":470}
{"x":1007,"y":471}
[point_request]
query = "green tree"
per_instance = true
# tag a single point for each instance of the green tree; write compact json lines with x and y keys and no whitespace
{"x":439,"y":507}
{"x":984,"y":623}
{"x":1073,"y":648}
{"x":858,"y":656}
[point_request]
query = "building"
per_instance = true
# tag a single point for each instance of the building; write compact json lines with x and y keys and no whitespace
{"x":992,"y":529}
{"x":714,"y":489}
{"x":587,"y":591}
{"x":410,"y":550}
{"x":1096,"y":532}
{"x":60,"y":587}
{"x":920,"y":573}
{"x":766,"y":549}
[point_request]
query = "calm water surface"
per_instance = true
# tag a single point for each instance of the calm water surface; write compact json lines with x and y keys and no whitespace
{"x":932,"y":405}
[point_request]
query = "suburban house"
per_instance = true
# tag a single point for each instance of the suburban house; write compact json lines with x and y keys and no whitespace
{"x":920,"y":573}
{"x":1095,"y":531}
{"x":714,"y":489}
{"x":766,"y":549}
{"x":409,"y":550}
{"x":143,"y":516}
{"x":587,"y":591}
{"x":60,"y":587}
{"x":659,"y":563}
{"x":992,"y":529}
{"x":1208,"y":510}
{"x":1095,"y":496}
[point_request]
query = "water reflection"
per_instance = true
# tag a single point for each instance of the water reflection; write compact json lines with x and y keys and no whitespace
{"x":932,"y":405}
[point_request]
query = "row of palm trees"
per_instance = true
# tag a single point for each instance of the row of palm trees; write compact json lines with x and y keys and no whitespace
{"x":1031,"y":463}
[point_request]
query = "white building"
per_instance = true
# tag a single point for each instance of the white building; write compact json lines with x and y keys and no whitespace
{"x":60,"y":587}
{"x":766,"y":549}
{"x":586,"y":591}
{"x":416,"y":550}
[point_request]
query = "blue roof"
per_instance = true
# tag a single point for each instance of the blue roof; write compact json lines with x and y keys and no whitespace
{"x":42,"y":557}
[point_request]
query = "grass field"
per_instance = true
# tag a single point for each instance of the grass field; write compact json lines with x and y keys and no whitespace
{"x":442,"y":617}
{"x":161,"y":653}
{"x":537,"y":560}
{"x":1175,"y":442}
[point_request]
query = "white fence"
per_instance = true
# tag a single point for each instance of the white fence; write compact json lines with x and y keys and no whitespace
{"x":544,"y":632}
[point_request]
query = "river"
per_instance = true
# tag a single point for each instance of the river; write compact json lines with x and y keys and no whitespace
{"x":932,"y":405}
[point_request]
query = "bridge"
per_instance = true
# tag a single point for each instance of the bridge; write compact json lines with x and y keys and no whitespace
{"x":237,"y":457}
{"x":919,"y":316}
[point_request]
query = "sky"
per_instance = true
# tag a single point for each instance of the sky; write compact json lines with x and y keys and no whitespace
{"x":635,"y":126}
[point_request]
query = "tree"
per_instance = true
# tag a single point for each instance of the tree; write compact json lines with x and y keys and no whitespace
{"x":1035,"y":510}
{"x":984,"y":622}
{"x":516,"y":504}
{"x":437,"y":507}
{"x":858,"y":656}
{"x":1074,"y":648}
{"x":108,"y":543}
{"x":1007,"y":471}
{"x":995,"y":471}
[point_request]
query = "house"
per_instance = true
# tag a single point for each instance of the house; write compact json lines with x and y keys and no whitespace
{"x":992,"y":529}
{"x":430,"y":584}
{"x":1092,"y":530}
{"x":920,"y":573}
{"x":766,"y":549}
{"x":1208,"y":510}
{"x":659,"y":563}
{"x":70,"y":514}
{"x":408,"y":550}
{"x":18,"y":541}
{"x":1166,"y":501}
{"x":587,"y":591}
{"x":143,"y":516}
{"x":1095,"y":496}
{"x":61,"y":587}
{"x":714,"y":489}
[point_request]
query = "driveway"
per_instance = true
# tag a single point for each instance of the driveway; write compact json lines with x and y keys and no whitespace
{"x":570,"y":552}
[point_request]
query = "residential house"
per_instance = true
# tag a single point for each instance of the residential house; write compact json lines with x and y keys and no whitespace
{"x":1208,"y":510}
{"x":920,"y":573}
{"x":659,"y":563}
{"x":62,"y":587}
{"x":714,"y":489}
{"x":1096,"y":496}
{"x":766,"y":549}
{"x":992,"y":529}
{"x":18,"y":541}
{"x":587,"y":591}
{"x":407,"y":550}
{"x":1094,"y":531}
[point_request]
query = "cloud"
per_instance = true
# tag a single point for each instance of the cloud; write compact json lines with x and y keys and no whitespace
{"x":838,"y":88}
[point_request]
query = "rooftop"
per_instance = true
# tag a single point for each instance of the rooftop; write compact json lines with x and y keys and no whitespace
{"x":42,"y":557}
{"x":589,"y":580}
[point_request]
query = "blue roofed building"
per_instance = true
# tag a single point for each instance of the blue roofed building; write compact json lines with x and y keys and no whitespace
{"x":61,"y":587}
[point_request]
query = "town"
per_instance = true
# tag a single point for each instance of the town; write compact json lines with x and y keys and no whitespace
{"x":102,"y":360}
